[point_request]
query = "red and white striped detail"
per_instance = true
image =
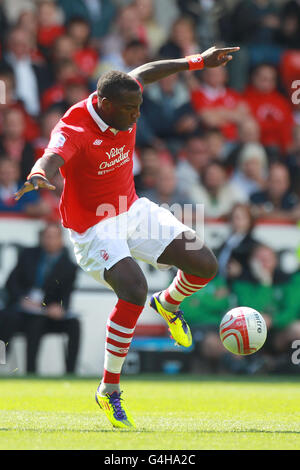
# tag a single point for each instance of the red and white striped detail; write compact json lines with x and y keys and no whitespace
{"x":118,"y":339}
{"x":119,"y":332}
{"x":183,"y":286}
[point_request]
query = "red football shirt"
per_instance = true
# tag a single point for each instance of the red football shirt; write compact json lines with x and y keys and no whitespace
{"x":98,"y":166}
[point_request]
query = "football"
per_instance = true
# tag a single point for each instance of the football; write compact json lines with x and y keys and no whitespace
{"x":243,"y":331}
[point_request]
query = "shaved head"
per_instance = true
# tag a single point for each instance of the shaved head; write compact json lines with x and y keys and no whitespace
{"x":113,"y":84}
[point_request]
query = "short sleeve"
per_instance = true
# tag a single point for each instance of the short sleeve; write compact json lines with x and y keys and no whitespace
{"x":62,"y":142}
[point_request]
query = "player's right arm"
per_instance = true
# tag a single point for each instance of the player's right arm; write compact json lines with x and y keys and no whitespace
{"x":43,"y":170}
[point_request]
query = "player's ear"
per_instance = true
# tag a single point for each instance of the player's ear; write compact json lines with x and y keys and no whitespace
{"x":105,"y":104}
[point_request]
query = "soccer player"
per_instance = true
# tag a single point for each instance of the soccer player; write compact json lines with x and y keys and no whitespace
{"x":109,"y":225}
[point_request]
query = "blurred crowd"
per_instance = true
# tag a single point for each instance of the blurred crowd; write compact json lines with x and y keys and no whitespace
{"x":228,"y":138}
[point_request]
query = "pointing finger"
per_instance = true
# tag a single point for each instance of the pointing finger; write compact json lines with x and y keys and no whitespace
{"x":226,"y":50}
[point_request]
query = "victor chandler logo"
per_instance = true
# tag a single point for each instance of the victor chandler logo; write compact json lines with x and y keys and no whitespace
{"x":116,"y":157}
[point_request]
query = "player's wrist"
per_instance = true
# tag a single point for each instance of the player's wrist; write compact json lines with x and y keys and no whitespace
{"x":36,"y":173}
{"x":195,"y":61}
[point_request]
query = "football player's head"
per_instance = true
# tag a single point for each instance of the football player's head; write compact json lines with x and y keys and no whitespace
{"x":119,"y":99}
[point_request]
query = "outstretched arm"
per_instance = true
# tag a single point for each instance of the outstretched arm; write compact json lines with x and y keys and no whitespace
{"x":43,"y":169}
{"x":153,"y":71}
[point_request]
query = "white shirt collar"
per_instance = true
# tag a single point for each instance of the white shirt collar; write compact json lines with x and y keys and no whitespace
{"x":103,"y":126}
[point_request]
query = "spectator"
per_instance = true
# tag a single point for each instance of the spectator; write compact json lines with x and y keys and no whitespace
{"x":248,"y":133}
{"x":168,"y":99}
{"x":151,"y":160}
{"x":155,"y":34}
{"x":216,"y":144}
{"x":64,"y":71}
{"x":272,"y":110}
{"x":3,"y":26}
{"x":250,"y":175}
{"x":195,"y":158}
{"x":31,"y":78}
{"x":182,"y":40}
{"x":286,"y":327}
{"x":234,"y":254}
{"x":85,"y":56}
{"x":99,"y":13}
{"x":288,"y":34}
{"x":166,"y":192}
{"x":127,"y":26}
{"x":217,"y":105}
{"x":9,"y":184}
{"x":76,"y":89}
{"x":28,"y":21}
{"x":204,"y":311}
{"x":276,"y":201}
{"x":13,"y":143}
{"x":49,"y":24}
{"x":133,"y":54}
{"x":48,"y":120}
{"x":31,"y":130}
{"x":63,"y":50}
{"x":216,"y":193}
{"x":39,"y":290}
{"x":205,"y":16}
{"x":253,"y":22}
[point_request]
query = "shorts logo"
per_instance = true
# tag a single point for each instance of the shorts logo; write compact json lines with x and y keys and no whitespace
{"x":104,"y":255}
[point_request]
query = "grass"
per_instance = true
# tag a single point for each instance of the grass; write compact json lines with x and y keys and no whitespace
{"x":179,"y":412}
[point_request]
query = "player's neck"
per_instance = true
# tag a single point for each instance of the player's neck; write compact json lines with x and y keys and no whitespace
{"x":106,"y":120}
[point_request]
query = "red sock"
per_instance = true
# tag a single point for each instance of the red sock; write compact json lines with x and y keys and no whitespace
{"x":120,"y":329}
{"x":183,"y":286}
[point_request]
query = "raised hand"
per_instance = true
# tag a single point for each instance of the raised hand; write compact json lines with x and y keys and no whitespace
{"x":213,"y":57}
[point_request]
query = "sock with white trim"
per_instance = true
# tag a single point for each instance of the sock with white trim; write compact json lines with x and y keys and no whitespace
{"x":119,"y":332}
{"x":183,"y":286}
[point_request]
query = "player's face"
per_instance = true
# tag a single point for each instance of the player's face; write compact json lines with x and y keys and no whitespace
{"x":125,"y":112}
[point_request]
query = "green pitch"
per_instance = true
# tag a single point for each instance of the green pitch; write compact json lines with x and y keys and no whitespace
{"x":182,"y":412}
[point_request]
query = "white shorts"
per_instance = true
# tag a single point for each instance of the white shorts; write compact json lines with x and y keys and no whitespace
{"x":143,"y":232}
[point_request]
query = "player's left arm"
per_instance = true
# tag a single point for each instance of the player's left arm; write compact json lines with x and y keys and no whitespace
{"x":153,"y":71}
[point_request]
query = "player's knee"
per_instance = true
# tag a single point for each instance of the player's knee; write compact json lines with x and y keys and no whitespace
{"x":206,"y":265}
{"x":212,"y":266}
{"x":135,"y":291}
